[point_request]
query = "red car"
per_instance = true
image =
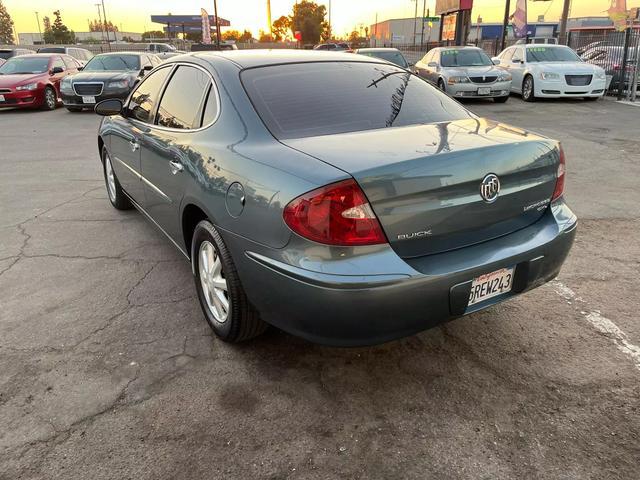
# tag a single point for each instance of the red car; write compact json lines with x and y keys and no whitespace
{"x":33,"y":81}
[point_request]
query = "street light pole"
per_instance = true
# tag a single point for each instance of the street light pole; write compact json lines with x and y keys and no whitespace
{"x":415,"y":23}
{"x":101,"y":24}
{"x":39,"y":31}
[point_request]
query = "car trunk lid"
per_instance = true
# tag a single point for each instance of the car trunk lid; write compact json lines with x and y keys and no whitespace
{"x":423,"y":181}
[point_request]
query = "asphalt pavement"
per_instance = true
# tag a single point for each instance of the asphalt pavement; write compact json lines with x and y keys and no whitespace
{"x":108,"y":369}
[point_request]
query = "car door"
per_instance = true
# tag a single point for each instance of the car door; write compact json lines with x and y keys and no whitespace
{"x":420,"y":68}
{"x":128,"y":129}
{"x":55,"y":78}
{"x":517,"y":68}
{"x":166,"y":149}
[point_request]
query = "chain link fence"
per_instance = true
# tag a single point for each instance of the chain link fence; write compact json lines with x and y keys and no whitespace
{"x":616,"y":52}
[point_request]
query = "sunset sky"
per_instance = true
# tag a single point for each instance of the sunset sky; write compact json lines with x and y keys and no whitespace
{"x":134,"y":16}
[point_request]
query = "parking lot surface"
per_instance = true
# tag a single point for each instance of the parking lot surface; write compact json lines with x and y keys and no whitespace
{"x":108,"y":369}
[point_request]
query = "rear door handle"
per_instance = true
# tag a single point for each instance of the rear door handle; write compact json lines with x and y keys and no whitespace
{"x":134,"y":145}
{"x":175,"y":166}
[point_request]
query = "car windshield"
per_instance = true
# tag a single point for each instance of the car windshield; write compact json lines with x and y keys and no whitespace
{"x":18,"y":65}
{"x":464,"y":58}
{"x":117,"y":63}
{"x":552,"y":54}
{"x":389,"y":56}
{"x":326,"y":98}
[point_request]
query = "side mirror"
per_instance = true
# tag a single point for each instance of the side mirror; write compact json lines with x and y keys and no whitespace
{"x":108,"y":108}
{"x":56,"y":70}
{"x":495,"y":60}
{"x":81,"y":67}
{"x":147,"y":68}
{"x":432,"y":65}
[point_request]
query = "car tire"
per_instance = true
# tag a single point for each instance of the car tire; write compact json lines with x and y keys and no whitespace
{"x":74,"y":109}
{"x":441,"y":85}
{"x":217,"y":283}
{"x":528,"y":86}
{"x":50,"y":101}
{"x":115,"y":193}
{"x":501,"y":99}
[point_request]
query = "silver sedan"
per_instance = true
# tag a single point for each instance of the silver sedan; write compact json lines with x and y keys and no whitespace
{"x":465,"y":72}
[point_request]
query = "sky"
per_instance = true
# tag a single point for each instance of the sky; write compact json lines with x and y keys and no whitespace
{"x":346,"y":15}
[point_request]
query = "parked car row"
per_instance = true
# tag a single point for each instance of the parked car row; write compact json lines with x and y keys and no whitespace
{"x":44,"y":80}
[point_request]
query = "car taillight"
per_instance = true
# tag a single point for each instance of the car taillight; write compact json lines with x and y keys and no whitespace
{"x":562,"y":168}
{"x":337,"y":214}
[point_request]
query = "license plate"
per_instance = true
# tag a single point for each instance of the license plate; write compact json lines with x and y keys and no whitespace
{"x":484,"y":91}
{"x":490,"y":285}
{"x":1,"y":98}
{"x":88,"y":99}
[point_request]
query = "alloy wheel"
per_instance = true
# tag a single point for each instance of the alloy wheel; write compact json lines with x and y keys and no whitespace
{"x":50,"y":98}
{"x":111,"y":179}
{"x":214,"y":285}
{"x":527,"y":89}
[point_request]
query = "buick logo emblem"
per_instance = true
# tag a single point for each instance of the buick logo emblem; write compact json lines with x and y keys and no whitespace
{"x":490,"y":188}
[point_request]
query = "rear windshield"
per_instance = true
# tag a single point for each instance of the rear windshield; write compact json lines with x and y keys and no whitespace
{"x":5,"y":54}
{"x":51,"y":50}
{"x":464,"y":58}
{"x":389,"y":56}
{"x":552,"y":54}
{"x":325,"y":98}
{"x":25,"y":65}
{"x":118,"y":63}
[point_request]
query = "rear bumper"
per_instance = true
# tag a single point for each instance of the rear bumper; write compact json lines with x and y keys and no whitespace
{"x":23,"y":99}
{"x":363,"y":309}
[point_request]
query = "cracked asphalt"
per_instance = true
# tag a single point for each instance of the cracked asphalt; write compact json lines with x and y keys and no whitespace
{"x":108,"y":370}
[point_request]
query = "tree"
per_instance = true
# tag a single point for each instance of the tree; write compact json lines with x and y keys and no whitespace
{"x":264,"y":37}
{"x":61,"y":33}
{"x":98,"y":26}
{"x":194,"y":37}
{"x":48,"y":33}
{"x":152,"y":34}
{"x":6,"y":26}
{"x":308,"y":18}
{"x":231,"y":35}
{"x":280,"y":28}
{"x":245,"y":37}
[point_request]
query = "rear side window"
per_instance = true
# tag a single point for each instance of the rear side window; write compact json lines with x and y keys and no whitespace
{"x":324,"y":98}
{"x":181,"y":104}
{"x":144,"y":99}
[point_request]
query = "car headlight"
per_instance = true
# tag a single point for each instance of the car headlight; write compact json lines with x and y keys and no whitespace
{"x":118,"y":84}
{"x":601,"y":75}
{"x":28,"y":86}
{"x":65,"y":85}
{"x":504,"y":77}
{"x":549,"y":76}
{"x":454,"y":80}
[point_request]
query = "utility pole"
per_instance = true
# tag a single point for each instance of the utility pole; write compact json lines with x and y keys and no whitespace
{"x":106,"y":25}
{"x":215,"y":12}
{"x":39,"y":31}
{"x":269,"y":19}
{"x":424,"y":11}
{"x":505,"y":22}
{"x":563,"y":22}
{"x":101,"y":24}
{"x":329,"y":21}
{"x":415,"y":23}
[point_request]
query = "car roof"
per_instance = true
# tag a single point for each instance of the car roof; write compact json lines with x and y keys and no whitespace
{"x":461,"y":47}
{"x":43,"y":55}
{"x":260,"y":58}
{"x":115,"y":54}
{"x":544,"y":45}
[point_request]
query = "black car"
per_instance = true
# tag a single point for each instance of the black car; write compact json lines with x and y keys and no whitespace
{"x":108,"y":75}
{"x":7,"y":53}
